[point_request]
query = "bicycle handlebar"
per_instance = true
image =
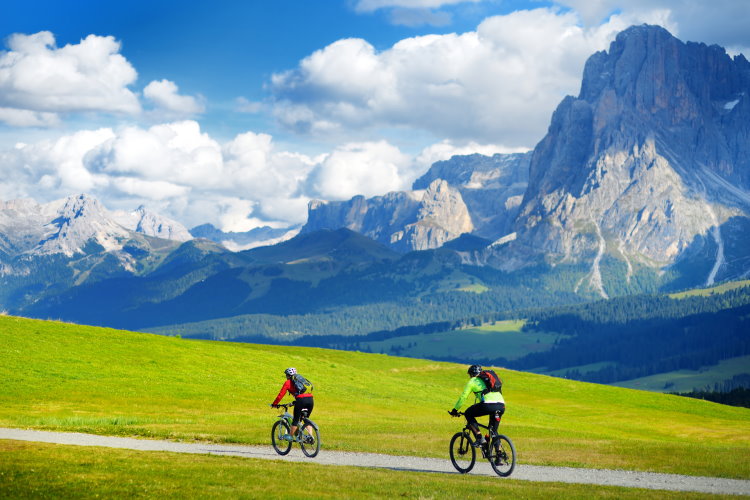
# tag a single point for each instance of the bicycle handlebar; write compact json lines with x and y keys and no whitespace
{"x":284,"y":405}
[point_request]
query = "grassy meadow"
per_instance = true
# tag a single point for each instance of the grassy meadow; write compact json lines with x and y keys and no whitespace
{"x":39,"y":470}
{"x":59,"y":376}
{"x":501,"y":338}
{"x":688,"y":380}
{"x":718,"y":289}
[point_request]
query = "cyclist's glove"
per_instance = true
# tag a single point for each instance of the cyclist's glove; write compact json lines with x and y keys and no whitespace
{"x":273,"y":405}
{"x":454,"y":412}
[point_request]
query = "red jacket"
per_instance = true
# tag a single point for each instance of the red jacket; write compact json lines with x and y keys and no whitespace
{"x":288,"y":386}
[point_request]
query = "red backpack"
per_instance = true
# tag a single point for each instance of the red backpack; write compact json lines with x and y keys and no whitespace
{"x":491,"y":381}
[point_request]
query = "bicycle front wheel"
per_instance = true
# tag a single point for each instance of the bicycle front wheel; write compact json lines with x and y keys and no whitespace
{"x":502,"y":456}
{"x":463,"y":454}
{"x":279,"y":429}
{"x":309,"y":439}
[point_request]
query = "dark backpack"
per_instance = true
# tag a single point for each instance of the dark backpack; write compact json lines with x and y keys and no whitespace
{"x":301,"y":384}
{"x":491,"y":381}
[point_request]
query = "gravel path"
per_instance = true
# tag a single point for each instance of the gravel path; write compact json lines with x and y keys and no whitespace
{"x":631,"y":479}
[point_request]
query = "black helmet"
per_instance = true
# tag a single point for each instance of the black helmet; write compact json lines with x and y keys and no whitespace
{"x":474,"y":370}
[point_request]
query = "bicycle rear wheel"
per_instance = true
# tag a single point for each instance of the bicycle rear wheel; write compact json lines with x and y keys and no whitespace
{"x":502,"y":455}
{"x":281,"y":446}
{"x":463,"y":454}
{"x":309,"y":438}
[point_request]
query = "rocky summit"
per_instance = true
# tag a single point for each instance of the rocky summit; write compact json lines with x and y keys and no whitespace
{"x":414,"y":220}
{"x":648,"y":166}
{"x":474,"y":194}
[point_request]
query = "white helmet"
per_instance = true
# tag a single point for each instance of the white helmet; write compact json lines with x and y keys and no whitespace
{"x":290,"y":371}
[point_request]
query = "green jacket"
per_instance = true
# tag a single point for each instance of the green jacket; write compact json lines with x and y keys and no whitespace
{"x":476,"y":385}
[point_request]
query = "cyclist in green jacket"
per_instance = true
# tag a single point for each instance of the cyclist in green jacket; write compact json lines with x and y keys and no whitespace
{"x":485,"y":404}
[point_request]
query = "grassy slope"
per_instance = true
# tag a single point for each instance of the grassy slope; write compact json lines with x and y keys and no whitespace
{"x":37,"y":470}
{"x":68,"y":377}
{"x":688,"y":380}
{"x":718,"y":289}
{"x":500,"y":339}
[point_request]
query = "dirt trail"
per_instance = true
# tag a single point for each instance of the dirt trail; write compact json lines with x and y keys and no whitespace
{"x":631,"y":479}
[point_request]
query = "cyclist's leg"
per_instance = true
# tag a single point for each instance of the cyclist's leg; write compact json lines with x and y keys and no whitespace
{"x":295,"y":419}
{"x":471,"y":414}
{"x":300,"y":404}
{"x":495,"y":408}
{"x":308,"y":404}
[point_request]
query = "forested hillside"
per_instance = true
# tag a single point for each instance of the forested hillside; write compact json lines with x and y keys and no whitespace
{"x":643,"y":335}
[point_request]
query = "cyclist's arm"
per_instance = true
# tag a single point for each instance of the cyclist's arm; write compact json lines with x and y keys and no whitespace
{"x":471,"y":387}
{"x":282,"y":392}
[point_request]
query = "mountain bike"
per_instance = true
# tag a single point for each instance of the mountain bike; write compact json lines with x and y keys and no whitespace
{"x":307,"y":435}
{"x":499,"y":450}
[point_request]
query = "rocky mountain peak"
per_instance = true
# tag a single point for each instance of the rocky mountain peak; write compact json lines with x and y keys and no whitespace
{"x":403,"y":220}
{"x":650,"y":160}
{"x":144,"y":221}
{"x":81,"y":219}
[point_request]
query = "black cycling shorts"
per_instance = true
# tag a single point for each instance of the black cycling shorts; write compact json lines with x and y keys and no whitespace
{"x":479,"y":409}
{"x":300,"y":404}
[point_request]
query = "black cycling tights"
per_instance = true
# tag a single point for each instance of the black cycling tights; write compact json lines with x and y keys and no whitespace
{"x":300,"y":404}
{"x":480,"y":409}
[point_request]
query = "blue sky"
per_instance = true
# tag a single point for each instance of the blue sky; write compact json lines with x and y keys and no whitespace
{"x":238,"y":113}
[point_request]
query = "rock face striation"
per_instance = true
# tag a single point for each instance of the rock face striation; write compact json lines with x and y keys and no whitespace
{"x":69,"y":226}
{"x":492,"y":187}
{"x":467,"y":194}
{"x":144,"y":221}
{"x":650,"y":164}
{"x":73,"y":240}
{"x":414,"y":220}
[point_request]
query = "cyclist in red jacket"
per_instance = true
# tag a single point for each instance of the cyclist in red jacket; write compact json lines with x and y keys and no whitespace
{"x":302,"y":401}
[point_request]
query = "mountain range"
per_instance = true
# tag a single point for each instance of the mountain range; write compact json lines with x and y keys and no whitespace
{"x":642,"y":183}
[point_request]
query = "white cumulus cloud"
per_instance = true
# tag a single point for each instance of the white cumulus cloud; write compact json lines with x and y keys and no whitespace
{"x":498,"y":84}
{"x":722,"y":22}
{"x":38,"y":79}
{"x":182,"y":172}
{"x":370,"y":169}
{"x":165,"y":95}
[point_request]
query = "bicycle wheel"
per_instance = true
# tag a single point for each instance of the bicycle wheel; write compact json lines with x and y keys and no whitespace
{"x":309,"y":438}
{"x":502,"y":455}
{"x":463,"y":454}
{"x":281,"y":446}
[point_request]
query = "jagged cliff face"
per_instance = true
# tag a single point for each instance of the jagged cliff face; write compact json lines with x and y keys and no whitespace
{"x":467,"y":194}
{"x":650,"y":161}
{"x":68,"y":225}
{"x":491,"y":186}
{"x":415,"y":220}
{"x":150,"y":223}
{"x":72,"y":237}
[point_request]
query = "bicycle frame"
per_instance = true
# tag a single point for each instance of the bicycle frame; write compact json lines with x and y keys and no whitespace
{"x":499,"y":449}
{"x":307,"y":434}
{"x":490,"y":433}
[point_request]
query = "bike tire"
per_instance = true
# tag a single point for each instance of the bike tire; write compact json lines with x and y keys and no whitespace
{"x":463,"y":454}
{"x":502,"y":455}
{"x":309,"y":439}
{"x":282,"y":447}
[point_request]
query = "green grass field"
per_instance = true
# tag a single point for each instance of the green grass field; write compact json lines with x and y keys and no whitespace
{"x":718,"y":289}
{"x":60,"y":376}
{"x":500,"y":339}
{"x":687,"y":380}
{"x":36,"y":470}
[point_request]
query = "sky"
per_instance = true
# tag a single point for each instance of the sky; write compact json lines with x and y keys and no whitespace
{"x":238,"y":113}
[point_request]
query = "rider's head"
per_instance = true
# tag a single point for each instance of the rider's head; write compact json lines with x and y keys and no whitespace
{"x":474,"y":370}
{"x":289,"y":372}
